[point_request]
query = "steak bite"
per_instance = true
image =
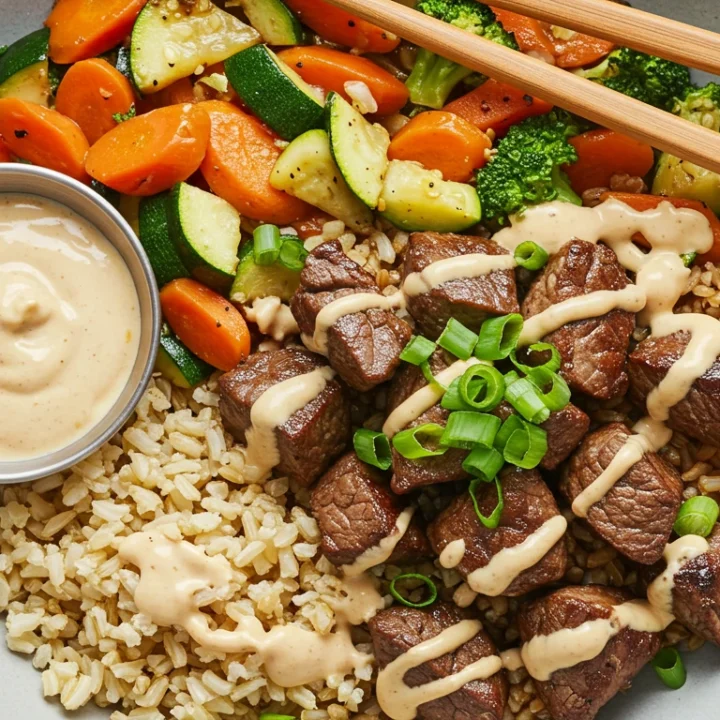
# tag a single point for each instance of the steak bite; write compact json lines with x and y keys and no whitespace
{"x":593,"y":351}
{"x":364,"y":347}
{"x":313,"y":436}
{"x":355,"y":511}
{"x":637,"y":514}
{"x":697,"y":413}
{"x":398,"y":629}
{"x":528,"y":505}
{"x":578,"y":692}
{"x":469,"y":300}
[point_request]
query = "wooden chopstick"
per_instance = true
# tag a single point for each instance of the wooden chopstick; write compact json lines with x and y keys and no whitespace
{"x":590,"y":100}
{"x":685,"y":44}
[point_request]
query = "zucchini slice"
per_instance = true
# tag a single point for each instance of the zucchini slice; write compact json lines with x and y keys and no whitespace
{"x":170,"y":44}
{"x":306,"y":170}
{"x":359,"y":148}
{"x":206,"y":232}
{"x":274,"y":21}
{"x":24,"y":69}
{"x":258,"y":281}
{"x":274,"y":92}
{"x":178,"y":364}
{"x":414,"y":198}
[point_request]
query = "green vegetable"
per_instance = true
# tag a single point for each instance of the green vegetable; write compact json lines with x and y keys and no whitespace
{"x":553,"y":389}
{"x":457,"y":339}
{"x":552,"y":363}
{"x":498,"y":337}
{"x":428,"y":375}
{"x":24,"y":69}
{"x":254,"y":281}
{"x":292,"y":253}
{"x":697,"y":516}
{"x":414,"y":576}
{"x":465,"y":430}
{"x":266,"y":244}
{"x":433,"y":77}
{"x":521,"y":443}
{"x":481,"y":387}
{"x":688,"y":258}
{"x":525,"y":398}
{"x":670,"y":668}
{"x":418,"y":350}
{"x":409,"y":443}
{"x":178,"y":364}
{"x":373,"y":448}
{"x":483,"y":463}
{"x":122,"y":117}
{"x":275,"y":22}
{"x":492,"y":520}
{"x":112,"y":196}
{"x":275,"y":716}
{"x":530,"y":255}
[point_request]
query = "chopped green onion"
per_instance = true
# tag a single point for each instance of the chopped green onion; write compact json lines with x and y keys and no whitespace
{"x":510,"y":377}
{"x":688,"y":258}
{"x":428,"y":375}
{"x":266,"y":244}
{"x":483,"y":462}
{"x":493,"y":520}
{"x":292,"y":254}
{"x":414,"y":576}
{"x":418,"y":350}
{"x":525,"y":398}
{"x":276,"y":716}
{"x":467,"y":429}
{"x":530,"y":255}
{"x":558,"y":395}
{"x":670,"y":668}
{"x":409,"y":443}
{"x":697,"y":516}
{"x":457,"y":339}
{"x":481,"y":387}
{"x":452,"y":400}
{"x":521,"y":443}
{"x":498,"y":337}
{"x":373,"y":448}
{"x":552,"y":363}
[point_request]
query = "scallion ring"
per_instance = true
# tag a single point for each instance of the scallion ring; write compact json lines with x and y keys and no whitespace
{"x":410,"y":443}
{"x":482,"y":387}
{"x":432,"y":588}
{"x":266,"y":244}
{"x":697,"y":516}
{"x":484,"y":463}
{"x":670,"y":668}
{"x":373,"y":448}
{"x":552,"y":363}
{"x":498,"y":337}
{"x":554,"y":391}
{"x":523,"y":445}
{"x":292,"y":254}
{"x":457,"y":339}
{"x":526,"y":399}
{"x":452,"y":399}
{"x":428,"y":375}
{"x":418,"y":350}
{"x":465,"y":429}
{"x":530,"y":255}
{"x":492,"y":520}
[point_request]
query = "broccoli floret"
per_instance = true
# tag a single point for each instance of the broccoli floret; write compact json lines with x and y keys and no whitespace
{"x":651,"y":79}
{"x":701,"y":106}
{"x":527,"y":167}
{"x":433,"y":77}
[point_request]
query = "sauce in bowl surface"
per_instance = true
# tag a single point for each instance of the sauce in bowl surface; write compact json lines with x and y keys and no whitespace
{"x":69,"y":326}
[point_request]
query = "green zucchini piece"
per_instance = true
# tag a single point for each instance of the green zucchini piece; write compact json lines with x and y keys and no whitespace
{"x":112,"y":196}
{"x":123,"y":64}
{"x":414,"y":198}
{"x":274,"y":21}
{"x":167,"y":44}
{"x":306,"y":170}
{"x":206,"y":232}
{"x":274,"y":92}
{"x":254,"y":281}
{"x":359,"y":148}
{"x":154,"y":235}
{"x":24,"y":69}
{"x":178,"y":364}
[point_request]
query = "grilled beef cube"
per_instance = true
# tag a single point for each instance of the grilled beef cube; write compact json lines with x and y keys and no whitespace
{"x":697,"y":413}
{"x":363,"y":347}
{"x":593,"y":351}
{"x":395,"y":630}
{"x":578,"y":692}
{"x":637,"y":514}
{"x":309,"y":441}
{"x":528,"y":504}
{"x":469,"y":300}
{"x":355,"y":510}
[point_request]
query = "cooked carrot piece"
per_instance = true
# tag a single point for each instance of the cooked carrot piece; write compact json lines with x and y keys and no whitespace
{"x":442,"y":141}
{"x":150,"y":153}
{"x":530,"y":34}
{"x":208,"y":324}
{"x":331,"y":69}
{"x":179,"y":93}
{"x":340,"y":27}
{"x":312,"y":225}
{"x":496,"y":106}
{"x":580,"y":50}
{"x":603,"y":153}
{"x":91,"y":93}
{"x":4,"y":153}
{"x":44,"y":137}
{"x":240,"y":158}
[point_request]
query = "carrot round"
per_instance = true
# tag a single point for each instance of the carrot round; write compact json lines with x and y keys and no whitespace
{"x":44,"y":137}
{"x":580,"y":50}
{"x":4,"y":153}
{"x":340,"y":27}
{"x":240,"y":158}
{"x":531,"y":35}
{"x":81,"y":29}
{"x":331,"y":69}
{"x":91,"y":93}
{"x":208,"y":324}
{"x":150,"y":153}
{"x":442,"y":141}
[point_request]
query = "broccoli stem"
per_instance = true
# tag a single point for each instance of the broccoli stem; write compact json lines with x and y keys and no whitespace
{"x":561,"y":183}
{"x":433,"y":79}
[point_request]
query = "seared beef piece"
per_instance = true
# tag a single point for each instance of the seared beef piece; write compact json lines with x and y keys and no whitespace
{"x":528,"y":504}
{"x":578,"y":692}
{"x":697,"y":413}
{"x":355,"y":510}
{"x":395,"y":630}
{"x":363,"y":347}
{"x":593,"y":351}
{"x":637,"y":514}
{"x":315,"y":435}
{"x":565,"y":429}
{"x":469,"y":300}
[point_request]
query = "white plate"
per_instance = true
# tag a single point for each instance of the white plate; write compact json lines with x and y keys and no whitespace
{"x":20,"y":693}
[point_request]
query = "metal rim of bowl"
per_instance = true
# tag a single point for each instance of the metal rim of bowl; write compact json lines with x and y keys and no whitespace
{"x":48,"y":180}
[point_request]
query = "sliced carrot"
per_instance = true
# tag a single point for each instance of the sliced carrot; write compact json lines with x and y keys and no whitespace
{"x":44,"y":137}
{"x":331,"y":69}
{"x":442,"y":141}
{"x":239,"y":161}
{"x":312,"y":225}
{"x":340,"y":27}
{"x":91,"y":93}
{"x":208,"y":324}
{"x":530,"y":34}
{"x":603,"y":153}
{"x":496,"y":106}
{"x":179,"y":93}
{"x":580,"y":50}
{"x":150,"y":153}
{"x":4,"y":153}
{"x":81,"y":29}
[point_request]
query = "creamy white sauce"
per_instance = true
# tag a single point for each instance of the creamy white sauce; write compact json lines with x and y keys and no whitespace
{"x":272,"y":317}
{"x":69,"y":326}
{"x":452,"y":554}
